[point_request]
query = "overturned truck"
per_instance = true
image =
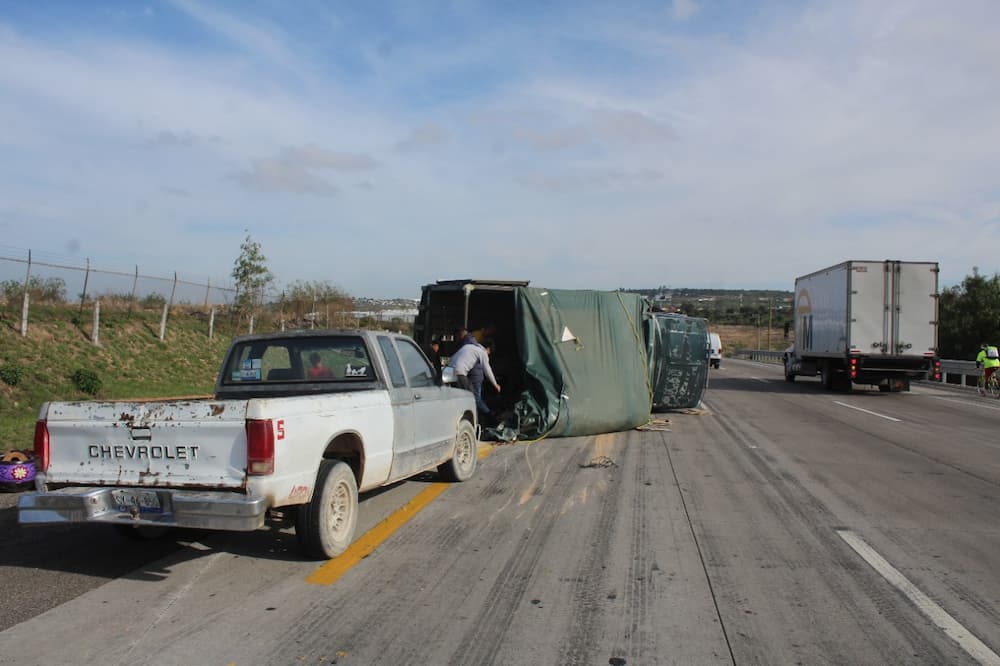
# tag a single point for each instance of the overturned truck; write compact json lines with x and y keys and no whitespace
{"x":569,"y":362}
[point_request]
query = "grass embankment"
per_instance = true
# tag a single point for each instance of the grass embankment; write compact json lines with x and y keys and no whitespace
{"x":130,"y":361}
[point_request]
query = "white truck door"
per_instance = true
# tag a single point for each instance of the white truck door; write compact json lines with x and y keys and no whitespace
{"x":869,"y":299}
{"x":401,"y":398}
{"x":915,"y":308}
{"x":434,"y":413}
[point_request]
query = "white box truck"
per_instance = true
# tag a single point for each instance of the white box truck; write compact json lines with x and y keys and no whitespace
{"x":866,"y":322}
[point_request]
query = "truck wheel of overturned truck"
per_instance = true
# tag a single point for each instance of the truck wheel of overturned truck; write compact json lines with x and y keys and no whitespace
{"x":325,"y":526}
{"x":463,"y":463}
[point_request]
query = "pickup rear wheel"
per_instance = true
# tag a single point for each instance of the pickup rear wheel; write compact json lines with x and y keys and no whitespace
{"x":463,"y":463}
{"x":325,"y":526}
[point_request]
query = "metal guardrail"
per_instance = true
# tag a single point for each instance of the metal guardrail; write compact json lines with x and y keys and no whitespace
{"x":760,"y":355}
{"x":959,"y":372}
{"x":953,"y":371}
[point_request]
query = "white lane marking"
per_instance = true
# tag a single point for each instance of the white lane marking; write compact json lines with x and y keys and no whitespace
{"x":881,"y":416}
{"x":762,"y":381}
{"x":974,"y":403}
{"x":939,"y":616}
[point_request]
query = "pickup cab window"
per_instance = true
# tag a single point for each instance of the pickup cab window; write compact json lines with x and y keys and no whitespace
{"x":418,"y":371}
{"x":392,"y":360}
{"x":305,"y":359}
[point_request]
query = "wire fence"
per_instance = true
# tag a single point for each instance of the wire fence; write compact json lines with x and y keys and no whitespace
{"x":40,"y":287}
{"x":62,"y":278}
{"x":41,"y":279}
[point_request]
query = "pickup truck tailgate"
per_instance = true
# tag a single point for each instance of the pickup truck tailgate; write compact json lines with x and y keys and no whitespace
{"x":169,"y":444}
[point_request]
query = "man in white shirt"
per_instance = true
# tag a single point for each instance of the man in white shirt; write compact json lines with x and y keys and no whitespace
{"x":472,"y":366}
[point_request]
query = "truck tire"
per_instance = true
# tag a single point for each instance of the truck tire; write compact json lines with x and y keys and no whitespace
{"x":325,"y":526}
{"x":826,"y":376}
{"x":842,"y":383}
{"x":463,"y":463}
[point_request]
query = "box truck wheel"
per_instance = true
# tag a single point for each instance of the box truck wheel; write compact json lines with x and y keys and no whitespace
{"x":789,"y":376}
{"x":826,"y":376}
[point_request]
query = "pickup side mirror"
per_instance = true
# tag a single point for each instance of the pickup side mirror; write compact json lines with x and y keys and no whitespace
{"x":448,"y":375}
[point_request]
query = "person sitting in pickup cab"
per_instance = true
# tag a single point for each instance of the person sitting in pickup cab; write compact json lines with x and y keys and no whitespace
{"x":316,"y":368}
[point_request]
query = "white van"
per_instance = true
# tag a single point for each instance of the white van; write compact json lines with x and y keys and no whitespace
{"x":714,"y":350}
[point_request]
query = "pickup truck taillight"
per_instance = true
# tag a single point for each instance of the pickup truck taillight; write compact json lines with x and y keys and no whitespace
{"x":260,"y":447}
{"x":41,"y":445}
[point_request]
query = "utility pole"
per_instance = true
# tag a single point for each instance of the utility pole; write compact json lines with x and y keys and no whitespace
{"x":770,"y":303}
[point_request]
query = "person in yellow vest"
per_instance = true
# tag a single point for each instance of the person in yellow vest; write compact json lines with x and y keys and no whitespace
{"x":988,"y":359}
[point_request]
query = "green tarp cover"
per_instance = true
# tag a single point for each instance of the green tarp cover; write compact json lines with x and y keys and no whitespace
{"x":584,"y":360}
{"x":677,"y":347}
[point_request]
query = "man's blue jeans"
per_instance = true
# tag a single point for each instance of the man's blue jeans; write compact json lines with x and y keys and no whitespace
{"x":477,"y":390}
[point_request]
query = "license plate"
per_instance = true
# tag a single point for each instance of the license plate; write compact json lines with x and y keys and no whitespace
{"x":147,"y":501}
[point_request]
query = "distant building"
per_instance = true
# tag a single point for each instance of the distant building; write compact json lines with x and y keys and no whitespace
{"x":407,"y":315}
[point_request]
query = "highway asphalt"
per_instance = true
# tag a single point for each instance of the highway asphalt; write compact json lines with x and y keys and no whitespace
{"x":777,"y":524}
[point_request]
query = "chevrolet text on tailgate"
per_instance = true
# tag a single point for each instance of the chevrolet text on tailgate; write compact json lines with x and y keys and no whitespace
{"x":299,"y":424}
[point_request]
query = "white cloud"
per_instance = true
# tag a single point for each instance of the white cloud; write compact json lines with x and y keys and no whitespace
{"x":425,"y":137}
{"x":685,"y":9}
{"x":735,"y":158}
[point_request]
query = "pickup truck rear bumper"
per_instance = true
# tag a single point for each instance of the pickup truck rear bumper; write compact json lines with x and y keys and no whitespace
{"x":164,"y":507}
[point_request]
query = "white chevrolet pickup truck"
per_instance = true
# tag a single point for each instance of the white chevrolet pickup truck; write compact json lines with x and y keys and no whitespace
{"x":299,"y":424}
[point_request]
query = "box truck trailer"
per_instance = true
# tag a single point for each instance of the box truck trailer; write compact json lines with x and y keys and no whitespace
{"x":866,"y":322}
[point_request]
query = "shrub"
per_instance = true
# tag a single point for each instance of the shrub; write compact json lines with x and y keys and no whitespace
{"x":48,"y":290}
{"x":11,"y":374}
{"x":153,"y":301}
{"x":87,"y":381}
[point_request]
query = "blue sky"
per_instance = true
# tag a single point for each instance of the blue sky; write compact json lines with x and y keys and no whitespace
{"x":381,"y":146}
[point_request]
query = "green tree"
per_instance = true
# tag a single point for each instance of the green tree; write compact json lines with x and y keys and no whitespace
{"x":252,"y":277}
{"x":968,"y":315}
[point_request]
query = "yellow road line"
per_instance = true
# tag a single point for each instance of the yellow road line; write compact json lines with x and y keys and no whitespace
{"x":332,"y":570}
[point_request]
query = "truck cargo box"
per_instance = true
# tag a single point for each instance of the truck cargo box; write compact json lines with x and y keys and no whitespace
{"x":866,"y":322}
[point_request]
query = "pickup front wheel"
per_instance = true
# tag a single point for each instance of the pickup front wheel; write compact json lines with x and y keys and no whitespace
{"x":463,"y":463}
{"x":325,"y":526}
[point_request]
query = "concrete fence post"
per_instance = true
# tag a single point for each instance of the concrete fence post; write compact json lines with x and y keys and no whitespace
{"x":24,"y":301}
{"x":211,"y":324}
{"x":95,"y":335}
{"x":24,"y":314}
{"x":251,"y":324}
{"x":163,"y":321}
